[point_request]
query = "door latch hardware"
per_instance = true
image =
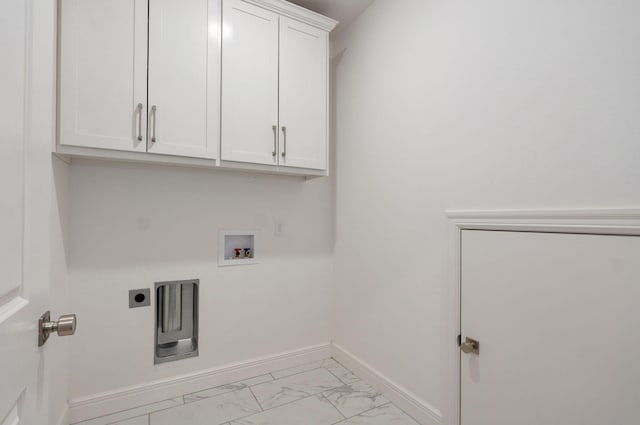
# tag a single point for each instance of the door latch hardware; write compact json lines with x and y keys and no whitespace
{"x":470,"y":346}
{"x":66,"y":325}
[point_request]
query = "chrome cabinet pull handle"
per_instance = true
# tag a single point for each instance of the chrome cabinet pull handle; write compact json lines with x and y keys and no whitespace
{"x":153,"y":128}
{"x":275,"y":140}
{"x":284,"y":133}
{"x":139,"y":111}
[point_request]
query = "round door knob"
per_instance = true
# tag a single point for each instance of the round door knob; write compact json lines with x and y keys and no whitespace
{"x":467,"y":347}
{"x":470,"y":346}
{"x":66,"y":325}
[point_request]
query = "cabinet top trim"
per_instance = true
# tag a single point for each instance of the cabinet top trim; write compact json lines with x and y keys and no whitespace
{"x":299,"y":13}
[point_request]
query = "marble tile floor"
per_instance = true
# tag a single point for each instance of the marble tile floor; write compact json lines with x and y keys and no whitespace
{"x":319,"y":393}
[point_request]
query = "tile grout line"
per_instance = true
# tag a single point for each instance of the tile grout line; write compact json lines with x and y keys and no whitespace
{"x":308,"y":396}
{"x":293,"y":401}
{"x":266,"y":410}
{"x":335,"y":407}
{"x":362,"y":413}
{"x":310,"y":370}
{"x":345,"y":368}
{"x":285,"y":404}
{"x":294,"y":374}
{"x":150,"y":413}
{"x":232,"y":383}
{"x":339,"y":379}
{"x":230,"y":390}
{"x":133,"y":408}
{"x":199,"y":397}
{"x":256,"y":399}
{"x":273,"y":408}
{"x":297,"y":373}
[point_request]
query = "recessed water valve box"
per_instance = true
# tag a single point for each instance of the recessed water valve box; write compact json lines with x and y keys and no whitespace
{"x":236,"y":248}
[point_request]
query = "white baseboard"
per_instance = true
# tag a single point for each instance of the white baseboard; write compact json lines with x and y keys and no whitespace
{"x":63,"y":419}
{"x":420,"y":410}
{"x":129,"y":397}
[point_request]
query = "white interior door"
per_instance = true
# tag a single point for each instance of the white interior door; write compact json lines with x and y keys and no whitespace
{"x":103,"y":74}
{"x":303,"y":95}
{"x":184,"y":77}
{"x":250,"y":83}
{"x":24,"y":254}
{"x":557,"y":318}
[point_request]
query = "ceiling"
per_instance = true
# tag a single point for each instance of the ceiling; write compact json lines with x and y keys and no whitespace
{"x":343,"y":11}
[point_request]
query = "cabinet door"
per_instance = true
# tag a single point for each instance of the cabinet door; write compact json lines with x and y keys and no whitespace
{"x":303,"y":95}
{"x":184,"y":77}
{"x":250,"y":83}
{"x":103,"y":74}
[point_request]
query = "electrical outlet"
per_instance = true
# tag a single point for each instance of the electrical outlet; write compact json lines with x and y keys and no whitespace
{"x":139,"y":297}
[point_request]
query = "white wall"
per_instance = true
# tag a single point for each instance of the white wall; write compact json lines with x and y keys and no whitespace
{"x":467,"y":105}
{"x":133,"y":225}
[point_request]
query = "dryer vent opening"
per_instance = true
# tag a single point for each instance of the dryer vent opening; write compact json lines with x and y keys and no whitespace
{"x":176,"y":330}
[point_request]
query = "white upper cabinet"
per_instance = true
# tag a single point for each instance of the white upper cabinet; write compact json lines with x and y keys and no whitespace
{"x":303,"y":95}
{"x":239,"y":84}
{"x":122,"y":90}
{"x":274,"y":89}
{"x":184,"y":77}
{"x":249,"y":84}
{"x":103,"y":74}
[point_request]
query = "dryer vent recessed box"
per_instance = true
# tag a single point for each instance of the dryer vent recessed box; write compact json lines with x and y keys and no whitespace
{"x":176,"y":332}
